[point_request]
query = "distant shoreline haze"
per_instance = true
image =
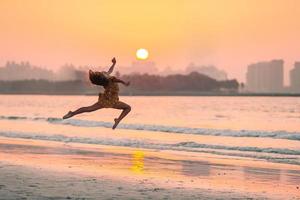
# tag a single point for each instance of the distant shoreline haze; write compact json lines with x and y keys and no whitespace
{"x":265,"y":77}
{"x":25,"y":78}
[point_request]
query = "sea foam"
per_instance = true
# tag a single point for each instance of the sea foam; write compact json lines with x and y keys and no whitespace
{"x":163,"y":128}
{"x":269,"y":154}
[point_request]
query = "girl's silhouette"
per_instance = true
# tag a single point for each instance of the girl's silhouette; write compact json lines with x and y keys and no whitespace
{"x":108,"y":99}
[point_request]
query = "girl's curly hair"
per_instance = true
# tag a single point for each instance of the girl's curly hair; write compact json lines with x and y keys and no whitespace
{"x":98,"y":78}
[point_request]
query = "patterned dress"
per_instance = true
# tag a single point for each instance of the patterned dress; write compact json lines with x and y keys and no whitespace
{"x":110,"y":97}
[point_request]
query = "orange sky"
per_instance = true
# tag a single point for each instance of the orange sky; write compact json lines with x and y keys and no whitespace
{"x":227,"y":33}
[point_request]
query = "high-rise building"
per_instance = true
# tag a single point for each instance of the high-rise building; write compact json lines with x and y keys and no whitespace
{"x":295,"y":78}
{"x":265,"y":77}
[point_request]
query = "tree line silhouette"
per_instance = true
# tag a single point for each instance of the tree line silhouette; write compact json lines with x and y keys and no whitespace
{"x":141,"y":84}
{"x":178,"y":82}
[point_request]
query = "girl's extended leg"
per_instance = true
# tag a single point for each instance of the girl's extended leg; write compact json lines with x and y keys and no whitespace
{"x":91,"y":108}
{"x":126,"y":109}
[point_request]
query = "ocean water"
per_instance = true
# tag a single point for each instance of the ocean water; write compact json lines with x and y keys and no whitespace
{"x":262,"y":128}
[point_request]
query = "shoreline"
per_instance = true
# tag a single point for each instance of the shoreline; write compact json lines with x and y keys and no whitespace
{"x":45,"y":170}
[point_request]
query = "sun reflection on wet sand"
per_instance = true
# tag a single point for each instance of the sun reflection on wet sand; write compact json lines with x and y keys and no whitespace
{"x":138,"y":162}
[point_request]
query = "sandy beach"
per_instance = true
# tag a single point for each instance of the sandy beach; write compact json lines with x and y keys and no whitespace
{"x":54,"y":170}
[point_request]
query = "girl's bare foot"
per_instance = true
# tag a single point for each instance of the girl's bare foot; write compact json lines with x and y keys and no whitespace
{"x":117,"y":121}
{"x":68,"y":115}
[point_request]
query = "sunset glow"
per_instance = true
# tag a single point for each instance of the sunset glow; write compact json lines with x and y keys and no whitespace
{"x":227,"y":33}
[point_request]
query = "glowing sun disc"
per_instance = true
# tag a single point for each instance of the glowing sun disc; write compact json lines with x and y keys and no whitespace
{"x":142,"y":54}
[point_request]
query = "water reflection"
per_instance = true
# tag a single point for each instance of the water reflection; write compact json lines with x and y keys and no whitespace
{"x":196,"y":168}
{"x":138,"y":162}
{"x":292,"y":177}
{"x":262,"y":174}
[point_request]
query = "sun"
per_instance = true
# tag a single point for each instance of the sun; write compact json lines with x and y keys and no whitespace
{"x":142,"y":54}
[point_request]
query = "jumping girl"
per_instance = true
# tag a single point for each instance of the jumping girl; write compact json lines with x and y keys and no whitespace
{"x":108,"y":99}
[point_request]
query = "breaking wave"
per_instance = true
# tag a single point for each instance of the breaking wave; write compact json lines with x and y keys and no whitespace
{"x":163,"y":128}
{"x":280,"y":155}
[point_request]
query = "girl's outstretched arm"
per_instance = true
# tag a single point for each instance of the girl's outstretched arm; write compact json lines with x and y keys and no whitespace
{"x":111,"y":69}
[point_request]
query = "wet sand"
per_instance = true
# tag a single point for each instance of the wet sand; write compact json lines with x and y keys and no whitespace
{"x":33,"y":169}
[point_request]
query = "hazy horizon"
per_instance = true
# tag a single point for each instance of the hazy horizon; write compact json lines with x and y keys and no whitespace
{"x":141,"y":68}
